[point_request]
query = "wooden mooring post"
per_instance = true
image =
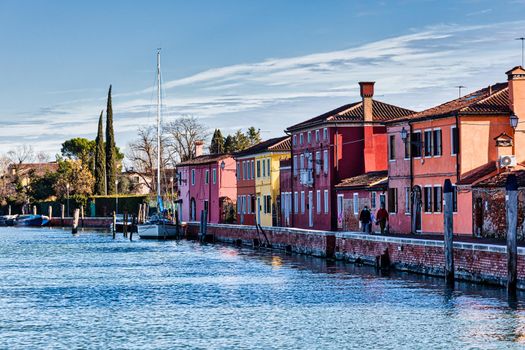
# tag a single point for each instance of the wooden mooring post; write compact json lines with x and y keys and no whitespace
{"x":511,"y":203}
{"x":133,"y":225}
{"x":9,"y":210}
{"x":82,"y":216}
{"x":62,"y":214}
{"x":34,"y":210}
{"x":139,"y":214}
{"x":448,"y":226}
{"x":125,"y":225}
{"x":50,"y":212}
{"x":76,"y":215}
{"x":114,"y":224}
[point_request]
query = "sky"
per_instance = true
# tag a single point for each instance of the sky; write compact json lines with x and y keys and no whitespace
{"x":238,"y":63}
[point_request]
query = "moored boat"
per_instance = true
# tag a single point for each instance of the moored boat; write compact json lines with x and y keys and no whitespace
{"x":157,"y":229}
{"x":7,"y":220}
{"x":31,"y":220}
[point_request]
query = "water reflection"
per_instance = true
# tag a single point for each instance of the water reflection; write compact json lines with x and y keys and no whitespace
{"x":90,"y":291}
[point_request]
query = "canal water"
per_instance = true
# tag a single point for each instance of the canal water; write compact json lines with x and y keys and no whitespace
{"x":90,"y":291}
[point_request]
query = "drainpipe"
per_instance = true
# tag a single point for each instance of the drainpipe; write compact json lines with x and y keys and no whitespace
{"x":459,"y":148}
{"x":410,"y":155}
{"x":292,"y":210}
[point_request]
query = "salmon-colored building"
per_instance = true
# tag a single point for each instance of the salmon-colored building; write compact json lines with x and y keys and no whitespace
{"x":465,"y":140}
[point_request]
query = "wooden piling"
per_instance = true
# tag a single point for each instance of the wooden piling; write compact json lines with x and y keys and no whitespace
{"x":50,"y":212}
{"x":139,"y":214}
{"x":125,"y":225}
{"x":114,"y":224}
{"x":133,"y":225}
{"x":448,"y":204}
{"x":82,"y":216}
{"x":62,"y":214}
{"x":511,"y":203}
{"x":76,"y":215}
{"x":9,"y":210}
{"x":34,"y":210}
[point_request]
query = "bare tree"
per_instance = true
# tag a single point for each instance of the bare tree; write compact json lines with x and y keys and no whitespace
{"x":142,"y":155}
{"x":21,"y":154}
{"x":181,"y":136}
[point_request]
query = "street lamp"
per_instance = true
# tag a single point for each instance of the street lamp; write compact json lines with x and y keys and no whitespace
{"x":67,"y":196}
{"x":514,"y":121}
{"x":404,"y":135}
{"x":116,"y":196}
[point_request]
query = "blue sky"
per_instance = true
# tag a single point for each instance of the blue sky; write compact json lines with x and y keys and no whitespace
{"x":238,"y":63}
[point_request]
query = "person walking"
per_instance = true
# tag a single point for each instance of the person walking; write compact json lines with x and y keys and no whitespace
{"x":364,"y":218}
{"x":382,"y":218}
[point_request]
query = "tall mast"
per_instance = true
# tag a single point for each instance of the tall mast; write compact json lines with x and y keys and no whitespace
{"x":158,"y":126}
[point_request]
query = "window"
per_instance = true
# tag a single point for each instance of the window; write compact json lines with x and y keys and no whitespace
{"x":325,"y":161}
{"x":252,"y":205}
{"x":214,"y":176}
{"x":382,"y":199}
{"x":317,"y":135}
{"x":268,"y":204}
{"x":249,"y":166}
{"x":294,"y":140}
{"x":340,"y":206}
{"x":355,"y":203}
{"x":268,"y":166}
{"x":264,"y":205}
{"x":326,"y":201}
{"x":325,"y":134}
{"x":238,"y":204}
{"x":407,"y":147}
{"x":427,"y":194}
{"x":309,"y":137}
{"x":438,"y":199}
{"x":296,"y":202}
{"x":428,"y":143}
{"x":302,"y":202}
{"x":253,"y":169}
{"x":416,"y":144}
{"x":407,"y":200}
{"x":264,"y":168}
{"x":318,"y":162}
{"x":259,"y":168}
{"x":207,"y":177}
{"x":294,"y":166}
{"x":454,"y":140}
{"x":392,"y":200}
{"x":373,"y":196}
{"x":392,"y":147}
{"x":437,"y":142}
{"x":301,"y":162}
{"x":193,"y":176}
{"x":238,"y":172}
{"x":244,"y":170}
{"x":318,"y":202}
{"x":301,"y":138}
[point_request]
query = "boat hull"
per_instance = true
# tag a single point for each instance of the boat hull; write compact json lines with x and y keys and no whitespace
{"x":32,"y":220}
{"x":157,"y":231}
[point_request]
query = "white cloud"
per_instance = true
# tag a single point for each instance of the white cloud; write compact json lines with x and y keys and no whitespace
{"x":416,"y":71}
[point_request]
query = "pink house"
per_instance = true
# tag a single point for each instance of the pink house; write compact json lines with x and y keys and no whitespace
{"x":207,"y":182}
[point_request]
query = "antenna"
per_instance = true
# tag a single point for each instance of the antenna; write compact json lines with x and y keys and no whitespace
{"x":459,"y":89}
{"x":522,"y":39}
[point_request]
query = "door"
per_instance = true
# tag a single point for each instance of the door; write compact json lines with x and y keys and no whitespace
{"x":310,"y":209}
{"x":416,"y":209}
{"x":479,"y":217}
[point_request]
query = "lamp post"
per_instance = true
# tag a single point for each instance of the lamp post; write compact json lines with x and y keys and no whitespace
{"x":67,"y":196}
{"x":116,"y":196}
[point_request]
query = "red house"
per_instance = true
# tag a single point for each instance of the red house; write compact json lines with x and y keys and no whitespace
{"x":345,"y":142}
{"x":245,"y":171}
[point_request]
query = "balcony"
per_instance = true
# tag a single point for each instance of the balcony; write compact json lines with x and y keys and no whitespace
{"x":306,"y":177}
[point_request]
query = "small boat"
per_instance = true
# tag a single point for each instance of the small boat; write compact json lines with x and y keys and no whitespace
{"x":31,"y":220}
{"x":7,"y":220}
{"x":158,"y":228}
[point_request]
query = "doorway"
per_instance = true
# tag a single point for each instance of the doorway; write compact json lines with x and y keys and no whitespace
{"x":416,"y":209}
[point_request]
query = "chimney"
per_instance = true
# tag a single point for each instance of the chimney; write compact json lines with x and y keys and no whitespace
{"x":199,"y":146}
{"x":367,"y":92}
{"x":516,"y":80}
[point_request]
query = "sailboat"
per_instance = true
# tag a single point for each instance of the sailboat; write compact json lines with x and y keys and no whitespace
{"x":158,"y":227}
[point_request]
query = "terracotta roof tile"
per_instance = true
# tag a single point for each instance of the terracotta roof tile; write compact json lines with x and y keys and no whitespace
{"x":500,"y":180}
{"x":277,"y":144}
{"x":354,"y":112}
{"x":489,"y":100}
{"x":478,"y":173}
{"x":368,"y":180}
{"x":205,"y":159}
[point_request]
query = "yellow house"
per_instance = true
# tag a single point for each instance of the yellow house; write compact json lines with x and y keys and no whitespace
{"x":267,"y":178}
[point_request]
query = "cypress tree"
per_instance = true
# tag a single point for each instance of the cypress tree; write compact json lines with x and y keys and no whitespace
{"x":100,"y":160}
{"x":217,"y":142}
{"x":111,"y":167}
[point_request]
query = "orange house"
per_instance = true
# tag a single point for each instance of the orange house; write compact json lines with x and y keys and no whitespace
{"x":460,"y":140}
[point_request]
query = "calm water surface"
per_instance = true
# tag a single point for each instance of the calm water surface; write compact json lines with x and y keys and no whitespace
{"x":89,"y":291}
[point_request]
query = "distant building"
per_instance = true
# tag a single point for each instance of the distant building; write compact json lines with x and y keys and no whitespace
{"x":25,"y":171}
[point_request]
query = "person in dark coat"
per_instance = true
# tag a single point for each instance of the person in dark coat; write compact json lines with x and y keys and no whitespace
{"x":364,"y":218}
{"x":382,"y":218}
